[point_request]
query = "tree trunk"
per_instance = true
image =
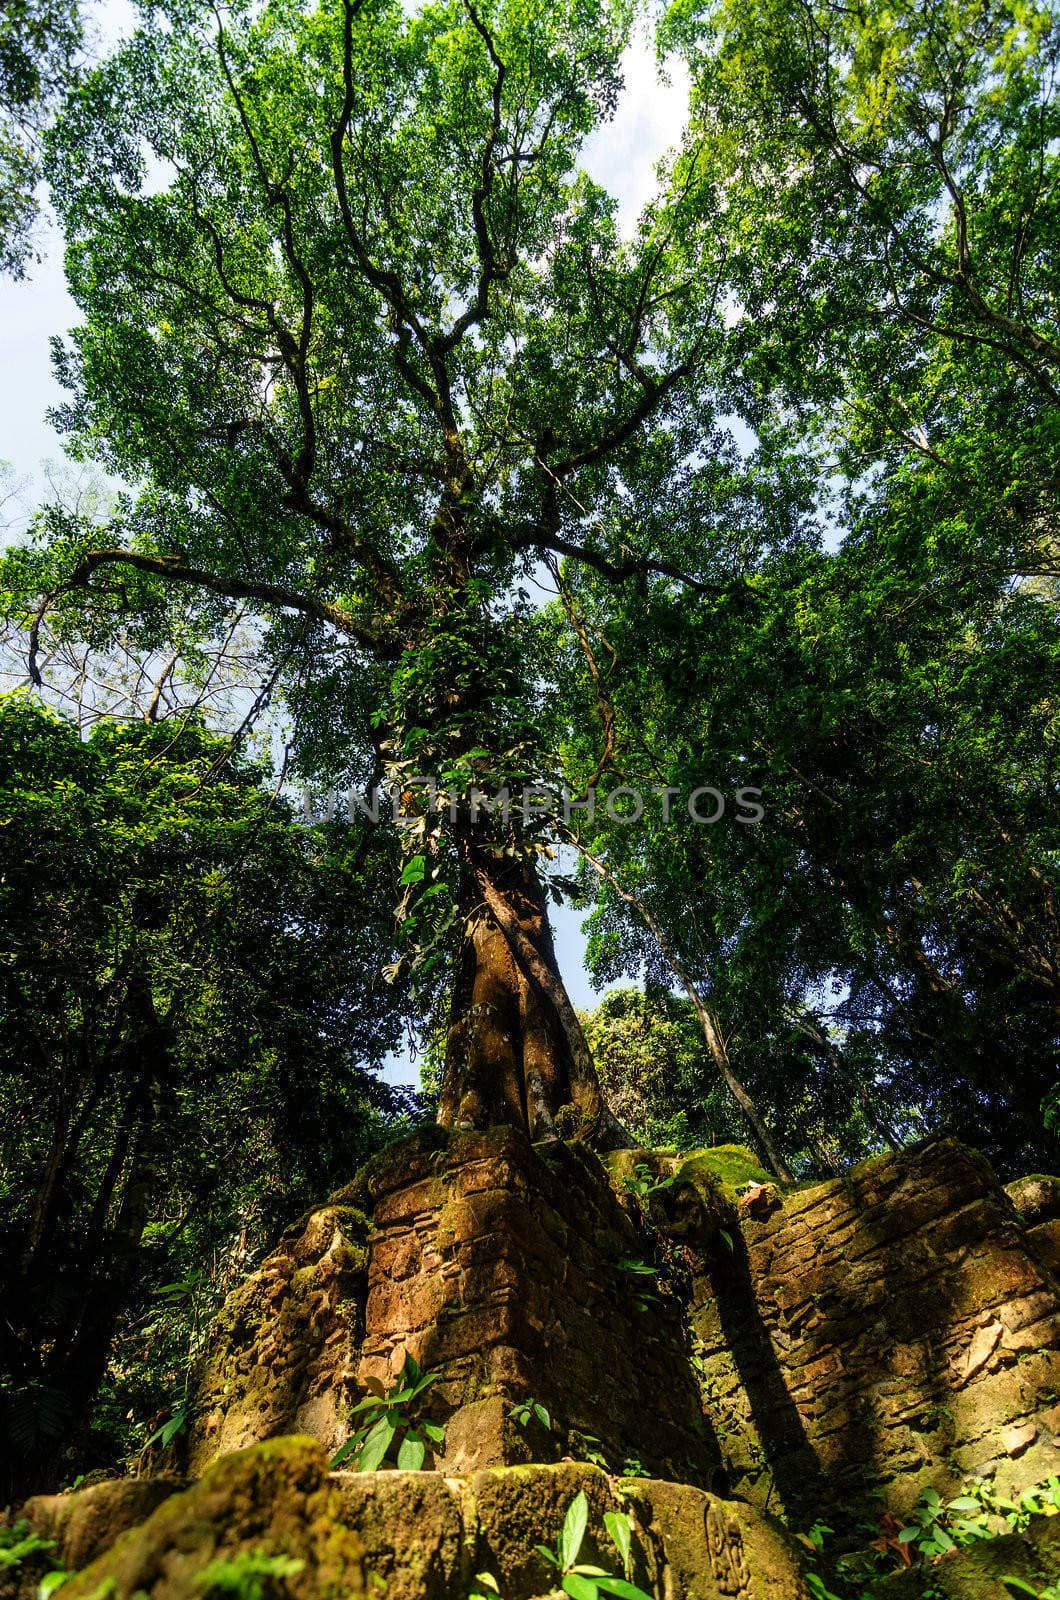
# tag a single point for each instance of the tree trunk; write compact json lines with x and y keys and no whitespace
{"x":515,"y":1051}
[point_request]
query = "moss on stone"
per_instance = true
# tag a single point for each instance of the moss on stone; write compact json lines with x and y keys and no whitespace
{"x":721,"y":1170}
{"x":275,"y":1498}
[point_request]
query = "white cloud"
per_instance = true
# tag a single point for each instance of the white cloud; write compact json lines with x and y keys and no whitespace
{"x":622,"y":154}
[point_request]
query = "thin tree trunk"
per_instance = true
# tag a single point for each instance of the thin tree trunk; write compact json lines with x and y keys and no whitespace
{"x":711,"y":1031}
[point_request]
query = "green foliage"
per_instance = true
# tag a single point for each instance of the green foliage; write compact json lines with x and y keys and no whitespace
{"x":180,"y":980}
{"x":581,"y":1580}
{"x":484,"y":1586}
{"x":1020,"y":1586}
{"x":18,"y":1544}
{"x":171,"y":1429}
{"x":391,"y":1425}
{"x":248,"y":1575}
{"x":40,"y":43}
{"x":652,"y":1062}
{"x":51,"y":1582}
{"x":642,"y":1298}
{"x":522,"y":1414}
{"x":643,"y":1182}
{"x":977,"y":1513}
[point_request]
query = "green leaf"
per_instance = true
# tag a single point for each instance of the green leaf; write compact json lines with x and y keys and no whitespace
{"x":620,"y":1529}
{"x":414,"y":872}
{"x":542,"y":1415}
{"x":619,"y":1586}
{"x":371,"y":1402}
{"x":579,"y":1588}
{"x":412,"y":1453}
{"x":574,"y":1525}
{"x":345,"y":1451}
{"x":378,"y":1442}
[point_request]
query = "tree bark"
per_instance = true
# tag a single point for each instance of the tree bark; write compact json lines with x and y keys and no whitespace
{"x":515,"y":1050}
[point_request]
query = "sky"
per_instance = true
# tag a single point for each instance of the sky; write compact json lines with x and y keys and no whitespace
{"x":621,"y":155}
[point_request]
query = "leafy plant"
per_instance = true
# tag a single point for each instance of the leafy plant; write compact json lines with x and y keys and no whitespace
{"x":530,"y":1408}
{"x":248,"y":1575}
{"x":484,"y":1586}
{"x":390,"y":1422}
{"x":18,"y":1543}
{"x":52,"y":1581}
{"x":592,"y":1450}
{"x":1052,"y":1592}
{"x":170,"y":1429}
{"x":819,"y":1589}
{"x":927,"y":1530}
{"x":643,"y":1182}
{"x":643,"y":1298}
{"x":814,"y":1538}
{"x":579,"y":1579}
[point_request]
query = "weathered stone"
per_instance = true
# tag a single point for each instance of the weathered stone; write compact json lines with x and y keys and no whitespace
{"x":497,"y":1265}
{"x":270,"y":1501}
{"x":1036,"y":1198}
{"x":420,"y":1536}
{"x":1018,"y":1437}
{"x":889,"y":1324}
{"x":283,"y":1353}
{"x":412,"y":1528}
{"x":88,"y":1521}
{"x":984,"y":1342}
{"x":1045,"y":1241}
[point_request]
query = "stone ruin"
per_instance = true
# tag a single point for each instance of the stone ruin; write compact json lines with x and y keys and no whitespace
{"x":826,"y":1350}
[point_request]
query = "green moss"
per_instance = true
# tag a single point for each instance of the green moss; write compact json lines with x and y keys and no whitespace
{"x":721,"y":1171}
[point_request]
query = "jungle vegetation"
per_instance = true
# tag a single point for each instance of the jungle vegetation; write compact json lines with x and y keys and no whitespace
{"x":440,"y":474}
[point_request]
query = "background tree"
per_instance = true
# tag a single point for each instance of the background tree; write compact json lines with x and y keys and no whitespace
{"x":899,"y":896}
{"x":190,"y":990}
{"x":40,"y":47}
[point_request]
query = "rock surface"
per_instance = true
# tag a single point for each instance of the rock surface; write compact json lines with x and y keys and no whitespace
{"x":85,"y":1523}
{"x":283,"y":1353}
{"x":421,"y":1536}
{"x":893,"y":1329}
{"x":841,"y":1345}
{"x":507,"y":1269}
{"x":273,"y":1501}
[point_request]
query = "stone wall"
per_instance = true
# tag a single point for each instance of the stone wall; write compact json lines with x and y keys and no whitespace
{"x":282,"y":1356}
{"x":895,"y":1328}
{"x":501,"y":1266}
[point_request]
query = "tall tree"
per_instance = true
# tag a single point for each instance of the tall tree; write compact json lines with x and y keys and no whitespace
{"x":40,"y":46}
{"x":372,"y":344}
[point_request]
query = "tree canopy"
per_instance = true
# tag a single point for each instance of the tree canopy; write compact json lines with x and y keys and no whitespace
{"x":376,"y":364}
